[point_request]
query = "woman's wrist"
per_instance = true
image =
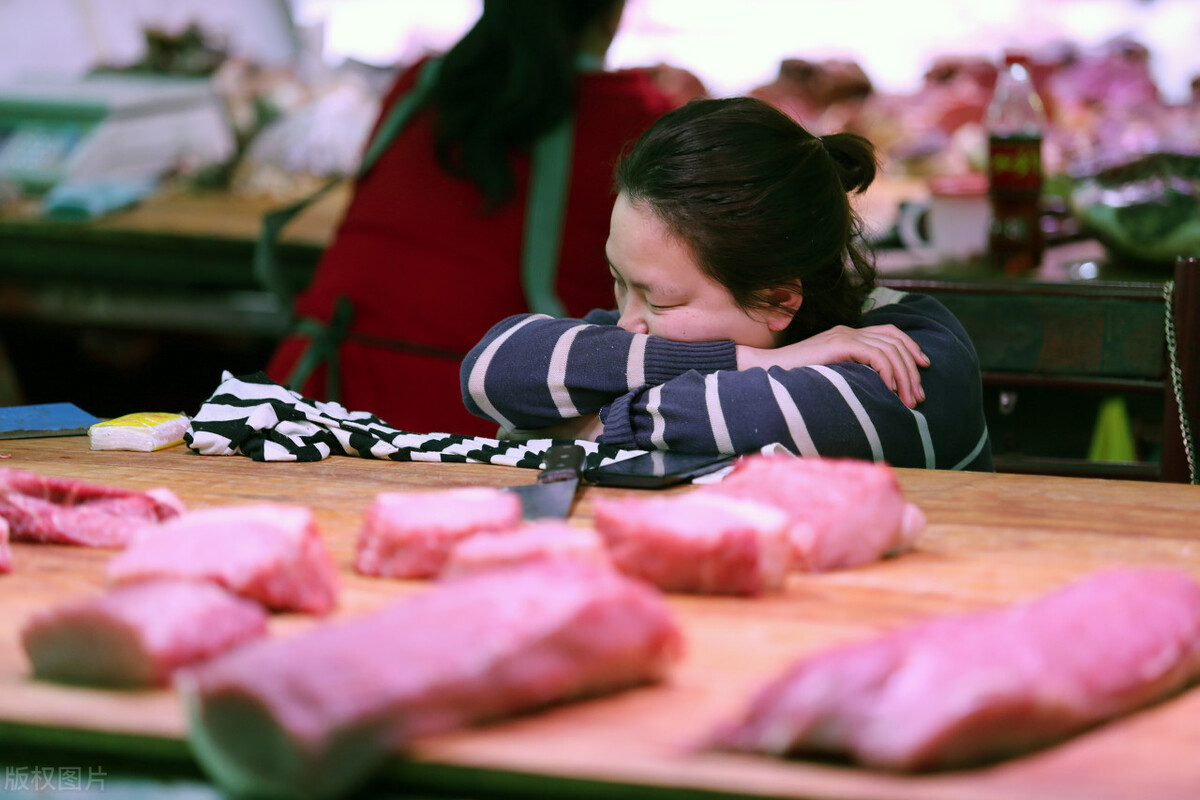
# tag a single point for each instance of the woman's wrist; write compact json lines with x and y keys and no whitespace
{"x":748,"y":357}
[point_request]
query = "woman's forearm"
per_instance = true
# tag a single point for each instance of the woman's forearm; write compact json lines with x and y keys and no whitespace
{"x":533,"y":371}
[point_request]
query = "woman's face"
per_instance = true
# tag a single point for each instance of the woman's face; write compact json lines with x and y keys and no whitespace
{"x":662,"y":291}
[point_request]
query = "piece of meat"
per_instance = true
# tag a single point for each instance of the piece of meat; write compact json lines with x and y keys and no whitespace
{"x":268,"y":552}
{"x":539,"y":540}
{"x":696,"y":542}
{"x":64,"y":511}
{"x":844,"y":512}
{"x":411,"y":534}
{"x":5,"y":549}
{"x":316,"y":711}
{"x":968,"y":689}
{"x":136,"y":636}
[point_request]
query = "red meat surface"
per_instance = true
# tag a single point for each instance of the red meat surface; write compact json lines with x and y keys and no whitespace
{"x":316,"y":711}
{"x":973,"y":688}
{"x":411,"y":534}
{"x":138,"y":635}
{"x":268,"y":552}
{"x":843,"y":512}
{"x":696,"y":542}
{"x":64,"y":511}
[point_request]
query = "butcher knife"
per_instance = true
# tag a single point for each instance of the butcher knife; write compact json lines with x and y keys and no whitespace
{"x":554,"y":491}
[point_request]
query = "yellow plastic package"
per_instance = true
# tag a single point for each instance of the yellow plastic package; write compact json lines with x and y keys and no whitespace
{"x":143,"y":431}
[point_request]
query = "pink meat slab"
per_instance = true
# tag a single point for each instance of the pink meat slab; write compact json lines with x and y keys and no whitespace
{"x":316,"y":711}
{"x":411,"y":534}
{"x":696,"y":542}
{"x":968,"y":689}
{"x":843,"y":512}
{"x":63,"y":511}
{"x":137,"y":635}
{"x":540,"y":540}
{"x":268,"y":552}
{"x":5,"y":549}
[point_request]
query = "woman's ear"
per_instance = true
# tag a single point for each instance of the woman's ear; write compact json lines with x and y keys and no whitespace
{"x":785,"y":302}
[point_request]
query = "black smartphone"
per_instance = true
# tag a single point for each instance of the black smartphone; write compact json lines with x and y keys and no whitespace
{"x":656,"y":469}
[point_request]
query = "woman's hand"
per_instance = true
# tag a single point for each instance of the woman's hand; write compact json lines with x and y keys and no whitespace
{"x":884,"y":348}
{"x":588,"y":427}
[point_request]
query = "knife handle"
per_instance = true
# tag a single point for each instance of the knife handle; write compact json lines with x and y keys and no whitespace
{"x":562,"y":462}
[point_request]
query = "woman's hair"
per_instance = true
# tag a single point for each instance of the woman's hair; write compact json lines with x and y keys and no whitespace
{"x":509,"y":79}
{"x":761,"y":204}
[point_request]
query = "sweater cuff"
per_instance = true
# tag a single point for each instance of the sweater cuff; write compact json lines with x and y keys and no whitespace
{"x":618,"y":428}
{"x":666,"y":359}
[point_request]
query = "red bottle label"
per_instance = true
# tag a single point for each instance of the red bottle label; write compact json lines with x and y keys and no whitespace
{"x":1015,"y":163}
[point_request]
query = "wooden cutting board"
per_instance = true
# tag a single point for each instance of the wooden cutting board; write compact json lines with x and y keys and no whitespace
{"x":991,"y":539}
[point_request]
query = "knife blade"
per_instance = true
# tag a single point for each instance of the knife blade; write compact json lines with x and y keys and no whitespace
{"x":552,"y":494}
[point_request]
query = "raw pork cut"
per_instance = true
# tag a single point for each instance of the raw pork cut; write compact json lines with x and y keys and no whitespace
{"x":138,"y":635}
{"x":411,"y":534}
{"x":697,"y":542}
{"x":64,"y":511}
{"x":967,"y":689}
{"x":311,"y":714}
{"x":5,"y":549}
{"x":540,"y":540}
{"x":269,"y":552}
{"x":844,"y":512}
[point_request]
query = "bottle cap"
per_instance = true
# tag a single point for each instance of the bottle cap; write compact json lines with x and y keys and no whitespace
{"x":1016,"y":57}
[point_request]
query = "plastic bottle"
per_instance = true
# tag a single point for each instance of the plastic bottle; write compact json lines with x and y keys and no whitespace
{"x":1016,"y":122}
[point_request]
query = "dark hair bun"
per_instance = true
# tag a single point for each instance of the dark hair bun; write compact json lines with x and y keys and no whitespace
{"x":854,"y":158}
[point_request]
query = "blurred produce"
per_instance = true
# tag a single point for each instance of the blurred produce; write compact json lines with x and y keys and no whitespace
{"x":1121,"y":164}
{"x":1103,"y":108}
{"x":823,"y":96}
{"x":679,"y":83}
{"x":191,"y":52}
{"x":1146,"y":212}
{"x":319,"y":137}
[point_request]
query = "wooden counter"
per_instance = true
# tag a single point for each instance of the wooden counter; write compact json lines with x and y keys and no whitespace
{"x":991,"y":539}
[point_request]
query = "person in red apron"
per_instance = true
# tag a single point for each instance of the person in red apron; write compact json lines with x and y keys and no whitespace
{"x":486,"y":192}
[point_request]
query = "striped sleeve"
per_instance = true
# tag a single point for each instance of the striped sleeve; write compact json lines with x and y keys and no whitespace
{"x":836,"y":410}
{"x":531,"y":371}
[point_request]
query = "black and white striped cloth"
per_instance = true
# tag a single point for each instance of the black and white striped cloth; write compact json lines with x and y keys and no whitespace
{"x":254,"y":416}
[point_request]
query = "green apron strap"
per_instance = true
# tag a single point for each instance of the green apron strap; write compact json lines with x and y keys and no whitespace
{"x":266,"y":249}
{"x":324,"y":340}
{"x":266,"y":253}
{"x":549,"y":180}
{"x":400,"y":114}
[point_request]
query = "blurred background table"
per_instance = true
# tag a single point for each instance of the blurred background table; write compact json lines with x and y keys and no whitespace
{"x":143,"y":308}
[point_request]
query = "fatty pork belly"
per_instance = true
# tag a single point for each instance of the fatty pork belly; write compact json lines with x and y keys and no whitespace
{"x":844,"y":512}
{"x":696,"y":542}
{"x":539,"y":540}
{"x":64,"y":511}
{"x":411,"y":534}
{"x":312,"y":714}
{"x":969,"y":689}
{"x":136,"y":636}
{"x":268,"y":552}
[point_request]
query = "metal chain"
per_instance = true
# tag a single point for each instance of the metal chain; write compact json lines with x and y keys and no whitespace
{"x":1185,"y":428}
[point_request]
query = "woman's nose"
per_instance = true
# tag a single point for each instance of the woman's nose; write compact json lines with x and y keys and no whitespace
{"x":632,"y":321}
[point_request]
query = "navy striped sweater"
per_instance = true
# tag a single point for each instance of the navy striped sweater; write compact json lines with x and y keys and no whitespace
{"x":532,"y":371}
